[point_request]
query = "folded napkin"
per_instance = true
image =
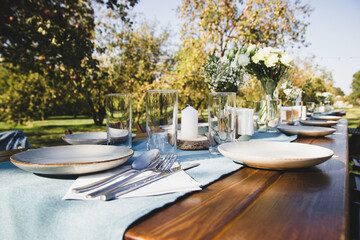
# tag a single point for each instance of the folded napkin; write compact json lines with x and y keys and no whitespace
{"x":245,"y":121}
{"x":177,"y":182}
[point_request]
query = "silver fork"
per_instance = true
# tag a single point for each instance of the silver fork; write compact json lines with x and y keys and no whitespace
{"x":119,"y":191}
{"x":105,"y":181}
{"x":168,"y":161}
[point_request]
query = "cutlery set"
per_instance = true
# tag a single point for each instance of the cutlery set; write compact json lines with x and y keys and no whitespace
{"x":159,"y":168}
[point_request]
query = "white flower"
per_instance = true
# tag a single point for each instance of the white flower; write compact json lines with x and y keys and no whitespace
{"x":243,"y":59}
{"x":258,"y":56}
{"x":286,"y":59}
{"x":251,"y":48}
{"x":287,"y":91}
{"x":224,"y":60}
{"x":233,"y":64}
{"x":271,"y":60}
{"x":326,"y":94}
{"x":284,"y":85}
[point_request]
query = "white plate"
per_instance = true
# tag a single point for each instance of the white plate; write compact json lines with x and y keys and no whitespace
{"x":71,"y":159}
{"x":320,"y":123}
{"x":272,"y":136}
{"x":308,"y":131}
{"x":326,"y":117}
{"x":275,"y":155}
{"x":87,"y":138}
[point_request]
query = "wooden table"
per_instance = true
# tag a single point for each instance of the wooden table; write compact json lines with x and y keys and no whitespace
{"x":310,"y":203}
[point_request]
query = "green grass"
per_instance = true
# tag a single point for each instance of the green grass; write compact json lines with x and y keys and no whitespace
{"x":50,"y":131}
{"x":353,"y":116}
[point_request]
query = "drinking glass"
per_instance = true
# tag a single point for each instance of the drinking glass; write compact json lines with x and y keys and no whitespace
{"x":310,"y":108}
{"x":161,"y":120}
{"x":272,"y":114}
{"x":222,"y":115}
{"x":118,"y":119}
{"x":297,"y":111}
{"x":259,"y":120}
{"x":291,"y":112}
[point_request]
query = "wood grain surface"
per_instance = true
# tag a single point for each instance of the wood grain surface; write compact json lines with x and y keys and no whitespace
{"x":309,"y":203}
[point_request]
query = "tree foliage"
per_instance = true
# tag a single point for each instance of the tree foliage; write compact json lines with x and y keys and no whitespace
{"x":54,"y":38}
{"x":132,"y":59}
{"x":212,"y":27}
{"x":311,"y":78}
{"x":222,"y":23}
{"x":355,"y":86}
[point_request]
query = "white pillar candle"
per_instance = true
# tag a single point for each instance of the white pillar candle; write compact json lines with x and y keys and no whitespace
{"x":189,"y":123}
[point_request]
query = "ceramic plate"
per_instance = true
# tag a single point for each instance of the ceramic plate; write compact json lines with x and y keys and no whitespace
{"x":87,"y":138}
{"x":71,"y":159}
{"x":275,"y":155}
{"x":326,"y":117}
{"x":320,"y":123}
{"x":308,"y":131}
{"x":272,"y":136}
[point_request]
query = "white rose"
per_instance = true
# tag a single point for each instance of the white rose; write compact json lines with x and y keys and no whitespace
{"x":271,"y":60}
{"x":243,"y":60}
{"x":287,"y":91}
{"x":286,"y":59}
{"x":251,"y":48}
{"x":258,"y":56}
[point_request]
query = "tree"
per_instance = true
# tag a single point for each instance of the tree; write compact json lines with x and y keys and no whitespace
{"x":311,"y":78}
{"x":212,"y":27}
{"x":54,"y":38}
{"x":223,"y":23}
{"x":355,"y":86}
{"x":132,"y":60}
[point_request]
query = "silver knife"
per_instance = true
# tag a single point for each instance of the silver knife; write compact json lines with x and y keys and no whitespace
{"x":118,"y":191}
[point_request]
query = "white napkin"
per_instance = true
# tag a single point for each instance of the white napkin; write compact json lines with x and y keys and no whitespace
{"x":177,"y":182}
{"x":245,"y":121}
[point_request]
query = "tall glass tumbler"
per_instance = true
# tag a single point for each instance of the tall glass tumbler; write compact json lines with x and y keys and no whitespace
{"x":222,"y":117}
{"x":162,"y":120}
{"x":118,"y":119}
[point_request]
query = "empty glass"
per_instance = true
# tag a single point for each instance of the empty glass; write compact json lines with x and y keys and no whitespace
{"x":310,"y":108}
{"x":161,"y":120}
{"x":222,"y":118}
{"x":118,"y":119}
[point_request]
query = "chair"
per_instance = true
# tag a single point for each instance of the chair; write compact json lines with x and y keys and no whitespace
{"x":354,"y":141}
{"x":14,"y":139}
{"x":354,"y":156}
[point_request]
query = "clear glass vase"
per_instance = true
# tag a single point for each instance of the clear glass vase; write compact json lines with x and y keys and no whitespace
{"x":271,"y":105}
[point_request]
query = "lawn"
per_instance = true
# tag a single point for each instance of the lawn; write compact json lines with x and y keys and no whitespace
{"x":50,"y":131}
{"x":353,"y":116}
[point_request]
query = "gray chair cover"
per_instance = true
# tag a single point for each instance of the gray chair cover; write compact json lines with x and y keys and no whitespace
{"x":14,"y":139}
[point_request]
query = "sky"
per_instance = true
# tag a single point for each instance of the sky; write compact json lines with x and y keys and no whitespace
{"x":333,"y":34}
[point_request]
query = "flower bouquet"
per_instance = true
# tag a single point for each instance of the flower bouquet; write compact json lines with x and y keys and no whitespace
{"x":292,"y":110}
{"x":291,"y":92}
{"x":269,"y":65}
{"x":225,"y":74}
{"x":324,"y":99}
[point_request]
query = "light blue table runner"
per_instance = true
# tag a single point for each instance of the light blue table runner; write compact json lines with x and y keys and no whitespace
{"x":31,"y":205}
